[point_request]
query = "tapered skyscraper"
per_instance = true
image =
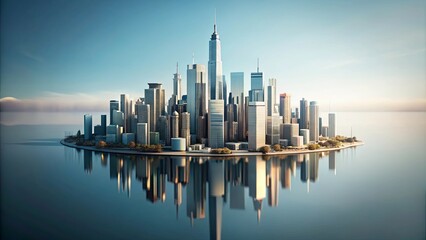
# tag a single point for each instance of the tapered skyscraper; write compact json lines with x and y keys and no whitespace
{"x":177,"y":84}
{"x":215,"y":66}
{"x":216,"y":104}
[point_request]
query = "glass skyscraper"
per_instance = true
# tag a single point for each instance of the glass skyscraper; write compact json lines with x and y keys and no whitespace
{"x":215,"y":66}
{"x":304,"y":114}
{"x":113,"y":106}
{"x":196,"y":93}
{"x":237,"y":85}
{"x":216,"y":124}
{"x":256,"y":93}
{"x":216,"y":103}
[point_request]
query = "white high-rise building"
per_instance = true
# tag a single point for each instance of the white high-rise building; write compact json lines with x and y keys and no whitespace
{"x":331,"y":124}
{"x":143,"y":116}
{"x":142,"y":133}
{"x":272,"y":98}
{"x":215,"y":66}
{"x":285,"y":107}
{"x":256,"y":125}
{"x":313,"y":121}
{"x":216,"y":124}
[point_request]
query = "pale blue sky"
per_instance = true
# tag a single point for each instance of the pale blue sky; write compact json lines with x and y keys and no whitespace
{"x":336,"y":52}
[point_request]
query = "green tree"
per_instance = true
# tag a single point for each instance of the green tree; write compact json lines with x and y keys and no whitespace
{"x":277,"y":148}
{"x":265,"y":149}
{"x":313,"y":146}
{"x":101,"y":144}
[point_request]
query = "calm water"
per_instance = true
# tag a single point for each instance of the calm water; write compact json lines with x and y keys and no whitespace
{"x":376,"y":191}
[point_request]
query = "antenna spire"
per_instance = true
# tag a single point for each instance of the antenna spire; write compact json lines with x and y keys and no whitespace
{"x":193,"y":58}
{"x":177,"y":67}
{"x":215,"y":20}
{"x":257,"y":64}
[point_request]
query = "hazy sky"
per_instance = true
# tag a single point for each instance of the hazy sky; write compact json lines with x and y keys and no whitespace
{"x":335,"y":52}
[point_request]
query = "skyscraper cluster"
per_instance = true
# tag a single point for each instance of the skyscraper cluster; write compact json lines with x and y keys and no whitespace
{"x":211,"y":116}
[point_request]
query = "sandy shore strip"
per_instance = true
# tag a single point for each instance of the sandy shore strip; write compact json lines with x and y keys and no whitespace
{"x":235,"y":153}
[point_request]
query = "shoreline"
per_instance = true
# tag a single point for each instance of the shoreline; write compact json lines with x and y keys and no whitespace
{"x":235,"y":153}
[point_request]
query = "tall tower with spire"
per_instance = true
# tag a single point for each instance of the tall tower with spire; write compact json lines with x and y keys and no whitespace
{"x":215,"y":121}
{"x":177,"y":84}
{"x":215,"y":66}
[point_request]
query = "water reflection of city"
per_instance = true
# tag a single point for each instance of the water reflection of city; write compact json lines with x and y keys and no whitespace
{"x":225,"y":177}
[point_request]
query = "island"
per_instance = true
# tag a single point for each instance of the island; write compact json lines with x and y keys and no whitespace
{"x":324,"y":144}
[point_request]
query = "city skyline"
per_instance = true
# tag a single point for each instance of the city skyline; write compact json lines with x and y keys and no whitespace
{"x":336,"y":53}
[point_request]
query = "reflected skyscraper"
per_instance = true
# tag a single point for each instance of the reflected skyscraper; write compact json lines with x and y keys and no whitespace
{"x":332,"y":161}
{"x":313,"y":166}
{"x":237,"y":193}
{"x":286,"y":172}
{"x":178,"y":174}
{"x":257,"y":182}
{"x":114,"y":166}
{"x":273,"y":176}
{"x":216,"y":192}
{"x":88,"y":161}
{"x":196,"y":190}
{"x":157,"y":182}
{"x":143,"y":171}
{"x":304,"y":169}
{"x":260,"y":175}
{"x":125,"y":175}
